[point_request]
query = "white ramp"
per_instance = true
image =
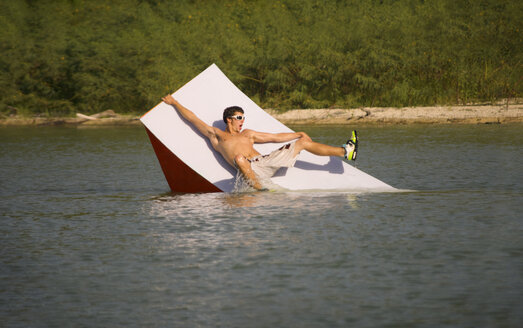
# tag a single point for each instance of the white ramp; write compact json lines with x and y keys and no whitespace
{"x":190,"y":164}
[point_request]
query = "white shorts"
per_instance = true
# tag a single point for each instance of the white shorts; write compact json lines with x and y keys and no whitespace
{"x":265,"y":166}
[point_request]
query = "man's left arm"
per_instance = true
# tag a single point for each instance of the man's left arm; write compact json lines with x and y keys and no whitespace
{"x":264,"y":137}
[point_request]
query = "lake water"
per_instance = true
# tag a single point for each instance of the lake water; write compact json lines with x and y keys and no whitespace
{"x":91,"y":236}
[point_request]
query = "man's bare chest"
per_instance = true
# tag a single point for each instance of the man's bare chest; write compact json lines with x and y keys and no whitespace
{"x":236,"y":141}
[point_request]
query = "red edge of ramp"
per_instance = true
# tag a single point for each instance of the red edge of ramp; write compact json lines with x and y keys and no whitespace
{"x":180,"y":177}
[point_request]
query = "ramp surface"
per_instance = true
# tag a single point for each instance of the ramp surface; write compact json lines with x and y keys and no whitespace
{"x":190,"y":164}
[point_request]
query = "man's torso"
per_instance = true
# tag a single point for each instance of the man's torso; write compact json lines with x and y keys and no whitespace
{"x":229,"y":146}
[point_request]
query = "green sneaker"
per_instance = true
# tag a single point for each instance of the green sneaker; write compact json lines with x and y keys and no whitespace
{"x":351,"y":147}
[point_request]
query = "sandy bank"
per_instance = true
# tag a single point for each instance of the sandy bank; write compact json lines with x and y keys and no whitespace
{"x":407,"y":115}
{"x":107,"y":117}
{"x":488,"y":114}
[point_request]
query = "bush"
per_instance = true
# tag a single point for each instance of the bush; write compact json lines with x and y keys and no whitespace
{"x":62,"y":56}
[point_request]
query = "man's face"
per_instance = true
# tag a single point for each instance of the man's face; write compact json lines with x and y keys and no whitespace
{"x":236,"y":123}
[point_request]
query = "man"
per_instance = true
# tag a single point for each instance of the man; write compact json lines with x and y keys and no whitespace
{"x":236,"y":146}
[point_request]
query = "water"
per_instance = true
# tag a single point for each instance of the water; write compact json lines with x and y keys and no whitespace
{"x":91,"y":236}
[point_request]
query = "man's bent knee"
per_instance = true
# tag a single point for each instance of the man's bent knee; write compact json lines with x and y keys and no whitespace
{"x":303,"y":142}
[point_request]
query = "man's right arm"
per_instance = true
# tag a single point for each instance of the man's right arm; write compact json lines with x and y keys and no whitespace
{"x":204,"y":128}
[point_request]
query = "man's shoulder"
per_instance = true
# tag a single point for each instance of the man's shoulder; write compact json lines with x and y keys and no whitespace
{"x":248,"y":132}
{"x":218,"y":131}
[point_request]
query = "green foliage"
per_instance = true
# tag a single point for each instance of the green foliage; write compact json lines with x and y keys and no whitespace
{"x":61,"y":56}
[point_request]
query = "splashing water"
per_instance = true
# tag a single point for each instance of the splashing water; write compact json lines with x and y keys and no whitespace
{"x":243,"y":184}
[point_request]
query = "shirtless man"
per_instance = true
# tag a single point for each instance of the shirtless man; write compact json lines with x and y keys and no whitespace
{"x":236,"y":146}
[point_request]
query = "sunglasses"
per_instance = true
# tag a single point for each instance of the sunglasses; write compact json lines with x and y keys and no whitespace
{"x":238,"y":117}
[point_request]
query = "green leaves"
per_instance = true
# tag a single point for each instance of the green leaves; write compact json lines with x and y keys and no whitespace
{"x":59,"y":57}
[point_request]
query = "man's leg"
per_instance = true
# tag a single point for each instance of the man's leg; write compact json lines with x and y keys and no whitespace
{"x":245,"y":168}
{"x":305,"y":142}
{"x":348,"y":150}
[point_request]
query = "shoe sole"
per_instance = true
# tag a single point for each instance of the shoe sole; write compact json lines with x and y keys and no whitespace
{"x":355,"y":146}
{"x":355,"y":151}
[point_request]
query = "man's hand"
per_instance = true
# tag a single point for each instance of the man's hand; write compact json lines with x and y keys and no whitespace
{"x":302,"y":135}
{"x":169,"y":100}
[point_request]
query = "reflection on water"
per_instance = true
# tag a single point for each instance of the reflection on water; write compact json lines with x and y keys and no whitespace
{"x":91,"y":237}
{"x":176,"y":205}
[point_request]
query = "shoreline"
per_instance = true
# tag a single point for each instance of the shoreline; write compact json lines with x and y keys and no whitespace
{"x":473,"y":114}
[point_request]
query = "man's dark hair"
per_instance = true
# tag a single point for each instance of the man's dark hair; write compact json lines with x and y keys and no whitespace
{"x":229,"y":111}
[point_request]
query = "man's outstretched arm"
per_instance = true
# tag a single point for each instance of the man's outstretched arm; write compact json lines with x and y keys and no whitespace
{"x":204,"y":128}
{"x":263,"y":137}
